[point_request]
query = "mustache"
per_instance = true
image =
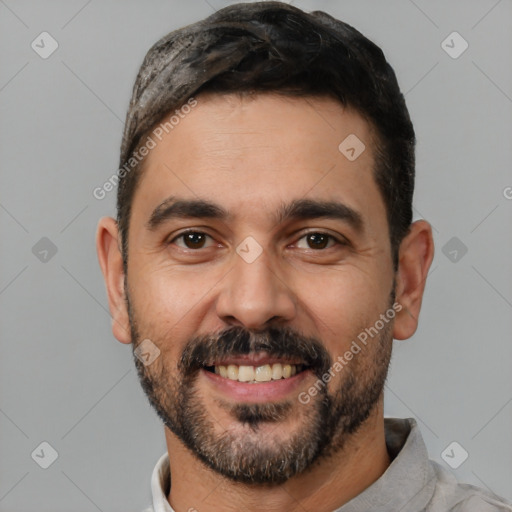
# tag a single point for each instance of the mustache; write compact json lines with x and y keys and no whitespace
{"x":203,"y":351}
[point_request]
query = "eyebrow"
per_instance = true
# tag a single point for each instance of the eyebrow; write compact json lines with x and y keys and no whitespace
{"x":305,"y":209}
{"x":184,"y":208}
{"x":299,"y":209}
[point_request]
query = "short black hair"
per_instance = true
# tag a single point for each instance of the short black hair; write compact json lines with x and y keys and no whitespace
{"x":274,"y":47}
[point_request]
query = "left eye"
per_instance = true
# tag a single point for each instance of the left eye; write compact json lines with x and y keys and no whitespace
{"x":192,"y":240}
{"x":317,"y":241}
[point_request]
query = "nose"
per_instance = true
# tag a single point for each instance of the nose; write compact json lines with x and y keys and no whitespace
{"x":253,"y":295}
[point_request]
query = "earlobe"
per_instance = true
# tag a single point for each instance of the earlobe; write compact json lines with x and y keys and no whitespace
{"x":111,"y":263}
{"x":415,"y":257}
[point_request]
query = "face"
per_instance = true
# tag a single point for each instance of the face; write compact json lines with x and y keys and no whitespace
{"x":258,"y":253}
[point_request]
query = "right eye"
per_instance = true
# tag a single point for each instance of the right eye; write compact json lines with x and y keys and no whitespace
{"x":191,"y":240}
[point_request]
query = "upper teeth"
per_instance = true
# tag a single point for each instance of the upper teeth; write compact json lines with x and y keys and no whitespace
{"x":264,"y":373}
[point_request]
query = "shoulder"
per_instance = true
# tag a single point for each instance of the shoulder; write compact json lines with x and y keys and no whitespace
{"x":451,"y":496}
{"x":478,"y":501}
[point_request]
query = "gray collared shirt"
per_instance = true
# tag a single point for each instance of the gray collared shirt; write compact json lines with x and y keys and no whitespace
{"x":411,"y":483}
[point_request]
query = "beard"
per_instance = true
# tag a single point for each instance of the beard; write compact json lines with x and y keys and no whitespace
{"x":251,"y":454}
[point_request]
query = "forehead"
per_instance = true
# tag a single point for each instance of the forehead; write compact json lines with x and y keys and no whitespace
{"x":249,"y":153}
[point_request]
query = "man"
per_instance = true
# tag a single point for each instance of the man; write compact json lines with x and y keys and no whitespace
{"x":263,"y":259}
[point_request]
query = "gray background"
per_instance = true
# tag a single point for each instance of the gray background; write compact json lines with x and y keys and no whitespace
{"x":64,"y":379}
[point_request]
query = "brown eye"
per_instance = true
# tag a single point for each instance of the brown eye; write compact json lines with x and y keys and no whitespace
{"x":317,"y":241}
{"x":191,"y":240}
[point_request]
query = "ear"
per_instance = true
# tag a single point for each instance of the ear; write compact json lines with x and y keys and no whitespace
{"x":415,"y":256}
{"x":111,"y":263}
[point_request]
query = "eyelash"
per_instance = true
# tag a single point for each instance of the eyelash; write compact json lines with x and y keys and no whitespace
{"x":338,"y":241}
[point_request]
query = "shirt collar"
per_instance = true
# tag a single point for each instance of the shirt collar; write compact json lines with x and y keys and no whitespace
{"x":160,"y":485}
{"x":408,"y":481}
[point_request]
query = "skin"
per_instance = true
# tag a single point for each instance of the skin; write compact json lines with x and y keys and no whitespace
{"x":250,"y":156}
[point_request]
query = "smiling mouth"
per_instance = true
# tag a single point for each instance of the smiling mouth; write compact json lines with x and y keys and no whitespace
{"x":255,"y":374}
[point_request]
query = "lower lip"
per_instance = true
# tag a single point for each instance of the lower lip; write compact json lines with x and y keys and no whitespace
{"x":256,"y":392}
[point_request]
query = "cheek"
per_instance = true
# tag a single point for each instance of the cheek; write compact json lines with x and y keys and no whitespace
{"x":164,"y":294}
{"x":342,"y":304}
{"x":168,"y":304}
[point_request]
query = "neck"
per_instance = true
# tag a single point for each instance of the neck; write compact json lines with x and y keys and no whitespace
{"x":330,"y":483}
